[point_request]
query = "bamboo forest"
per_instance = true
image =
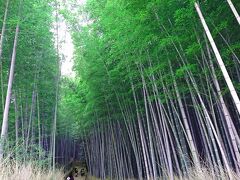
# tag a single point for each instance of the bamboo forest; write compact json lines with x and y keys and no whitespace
{"x":120,"y":89}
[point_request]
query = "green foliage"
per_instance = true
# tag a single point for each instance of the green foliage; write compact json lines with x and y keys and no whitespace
{"x":119,"y":38}
{"x":35,"y":71}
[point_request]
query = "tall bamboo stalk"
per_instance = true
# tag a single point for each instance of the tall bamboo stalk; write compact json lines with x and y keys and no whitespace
{"x":1,"y":48}
{"x":9,"y":91}
{"x":234,"y":11}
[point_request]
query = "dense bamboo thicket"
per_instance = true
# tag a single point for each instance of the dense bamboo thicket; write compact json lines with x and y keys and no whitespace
{"x":28,"y":73}
{"x":155,"y":93}
{"x":157,"y":87}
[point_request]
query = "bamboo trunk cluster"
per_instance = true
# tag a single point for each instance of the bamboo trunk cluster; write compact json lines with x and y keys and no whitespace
{"x":163,"y":137}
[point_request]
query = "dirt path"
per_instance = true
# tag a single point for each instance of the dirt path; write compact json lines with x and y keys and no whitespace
{"x":76,"y":170}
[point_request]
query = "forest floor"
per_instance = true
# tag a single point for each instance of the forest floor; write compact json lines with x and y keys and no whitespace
{"x":27,"y":172}
{"x":203,"y":174}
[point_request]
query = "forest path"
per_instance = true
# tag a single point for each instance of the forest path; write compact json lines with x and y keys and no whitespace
{"x":78,"y":170}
